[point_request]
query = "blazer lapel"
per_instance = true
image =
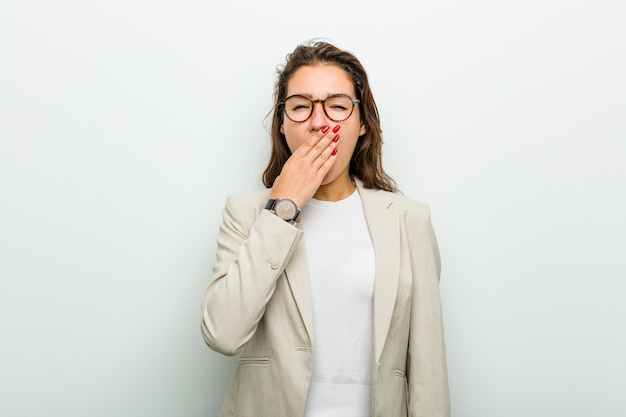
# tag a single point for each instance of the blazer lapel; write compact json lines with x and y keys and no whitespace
{"x":384,"y":229}
{"x":297,"y":271}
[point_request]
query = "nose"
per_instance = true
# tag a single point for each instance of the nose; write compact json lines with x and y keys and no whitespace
{"x":318,"y":117}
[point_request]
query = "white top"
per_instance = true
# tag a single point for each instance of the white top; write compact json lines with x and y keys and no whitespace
{"x":341,"y":267}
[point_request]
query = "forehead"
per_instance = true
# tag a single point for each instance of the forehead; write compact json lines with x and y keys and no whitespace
{"x":319,"y":81}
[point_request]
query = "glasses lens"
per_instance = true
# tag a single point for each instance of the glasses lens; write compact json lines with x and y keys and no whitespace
{"x":339,"y":107}
{"x":298,"y":108}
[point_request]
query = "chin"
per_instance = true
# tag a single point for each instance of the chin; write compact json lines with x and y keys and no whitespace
{"x":336,"y":172}
{"x":330,"y":178}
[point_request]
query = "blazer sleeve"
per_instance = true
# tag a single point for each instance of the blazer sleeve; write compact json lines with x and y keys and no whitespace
{"x":426,"y":369}
{"x":253,"y":247}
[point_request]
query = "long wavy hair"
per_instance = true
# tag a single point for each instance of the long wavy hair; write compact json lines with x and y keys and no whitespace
{"x":366,"y":162}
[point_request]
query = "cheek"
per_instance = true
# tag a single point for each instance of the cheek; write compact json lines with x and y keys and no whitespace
{"x":348,"y":141}
{"x":292,"y":146}
{"x":345,"y":151}
{"x":293,"y":141}
{"x":295,"y":135}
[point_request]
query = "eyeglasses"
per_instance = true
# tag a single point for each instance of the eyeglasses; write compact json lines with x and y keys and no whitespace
{"x":337,"y":107}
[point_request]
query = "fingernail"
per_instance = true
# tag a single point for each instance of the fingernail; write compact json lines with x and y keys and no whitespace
{"x":336,"y":138}
{"x":325,"y":129}
{"x":334,"y":152}
{"x":336,"y":129}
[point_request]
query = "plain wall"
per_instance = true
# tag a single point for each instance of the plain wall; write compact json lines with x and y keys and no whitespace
{"x":125,"y":124}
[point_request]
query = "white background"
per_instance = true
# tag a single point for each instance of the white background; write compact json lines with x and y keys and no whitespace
{"x":124,"y":124}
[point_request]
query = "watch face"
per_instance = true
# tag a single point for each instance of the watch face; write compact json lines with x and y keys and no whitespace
{"x":285,"y":209}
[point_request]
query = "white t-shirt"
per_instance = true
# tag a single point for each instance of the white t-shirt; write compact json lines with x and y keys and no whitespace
{"x":341,"y":267}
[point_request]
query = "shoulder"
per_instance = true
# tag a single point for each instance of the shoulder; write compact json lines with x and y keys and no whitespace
{"x":412,"y":214}
{"x":394,"y":202}
{"x":407,"y":204}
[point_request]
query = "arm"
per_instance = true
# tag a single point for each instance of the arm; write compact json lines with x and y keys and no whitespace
{"x":252,"y":252}
{"x":253,"y":248}
{"x":427,"y":370}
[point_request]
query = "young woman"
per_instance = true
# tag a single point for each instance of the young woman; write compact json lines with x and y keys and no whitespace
{"x":327,"y":283}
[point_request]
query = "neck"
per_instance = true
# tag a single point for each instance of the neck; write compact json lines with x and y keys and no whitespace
{"x":337,"y":190}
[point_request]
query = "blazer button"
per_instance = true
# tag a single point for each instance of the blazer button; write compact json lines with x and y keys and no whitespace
{"x":272,"y":262}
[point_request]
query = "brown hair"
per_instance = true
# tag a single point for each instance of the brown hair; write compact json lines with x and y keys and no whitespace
{"x":366,"y":162}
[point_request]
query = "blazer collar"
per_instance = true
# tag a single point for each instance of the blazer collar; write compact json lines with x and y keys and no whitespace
{"x":384,"y":231}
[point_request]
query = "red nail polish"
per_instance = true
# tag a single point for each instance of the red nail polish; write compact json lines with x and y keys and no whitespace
{"x":336,"y":138}
{"x":334,"y":152}
{"x":325,"y":129}
{"x":336,"y":129}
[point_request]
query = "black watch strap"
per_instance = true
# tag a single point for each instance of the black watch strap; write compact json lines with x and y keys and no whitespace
{"x":270,"y":204}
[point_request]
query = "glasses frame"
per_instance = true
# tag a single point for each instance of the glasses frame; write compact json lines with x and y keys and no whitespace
{"x":323,"y":101}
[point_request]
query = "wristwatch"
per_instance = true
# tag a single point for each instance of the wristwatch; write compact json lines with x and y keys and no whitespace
{"x":285,"y":209}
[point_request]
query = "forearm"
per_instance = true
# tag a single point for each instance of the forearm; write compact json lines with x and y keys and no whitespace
{"x":244,"y":279}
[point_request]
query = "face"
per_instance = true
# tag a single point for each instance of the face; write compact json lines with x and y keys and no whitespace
{"x":319,"y":82}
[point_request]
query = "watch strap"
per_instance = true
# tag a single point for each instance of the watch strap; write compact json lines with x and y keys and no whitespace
{"x":270,"y":204}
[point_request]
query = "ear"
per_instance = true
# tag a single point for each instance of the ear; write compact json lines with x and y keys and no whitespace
{"x":282,"y":129}
{"x":362,"y":130}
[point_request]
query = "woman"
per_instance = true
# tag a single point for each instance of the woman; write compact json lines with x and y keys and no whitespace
{"x":326,"y":283}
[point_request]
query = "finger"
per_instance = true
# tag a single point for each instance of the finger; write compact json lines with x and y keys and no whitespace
{"x":325,"y":137}
{"x":326,"y":153}
{"x":316,"y":149}
{"x":328,"y":163}
{"x":323,"y":148}
{"x":322,"y":159}
{"x":312,"y":141}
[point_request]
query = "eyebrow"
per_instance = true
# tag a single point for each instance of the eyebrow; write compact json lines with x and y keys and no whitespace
{"x":311,"y":96}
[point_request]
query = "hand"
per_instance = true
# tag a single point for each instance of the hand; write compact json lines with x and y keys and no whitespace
{"x":307,"y":166}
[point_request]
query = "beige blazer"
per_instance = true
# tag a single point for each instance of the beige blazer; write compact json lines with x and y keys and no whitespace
{"x":258,"y":305}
